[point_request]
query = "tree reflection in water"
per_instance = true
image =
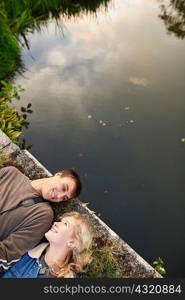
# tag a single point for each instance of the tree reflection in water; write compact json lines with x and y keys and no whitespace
{"x":173,"y":15}
{"x":19,"y":18}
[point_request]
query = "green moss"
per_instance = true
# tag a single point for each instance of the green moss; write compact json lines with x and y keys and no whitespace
{"x":103,"y":264}
{"x":8,"y":160}
{"x":4,"y":159}
{"x":63,"y":207}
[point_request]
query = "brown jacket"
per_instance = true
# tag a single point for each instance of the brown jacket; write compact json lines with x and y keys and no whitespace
{"x":21,"y":229}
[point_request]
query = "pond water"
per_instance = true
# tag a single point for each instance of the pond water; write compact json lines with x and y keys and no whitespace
{"x":108,"y":100}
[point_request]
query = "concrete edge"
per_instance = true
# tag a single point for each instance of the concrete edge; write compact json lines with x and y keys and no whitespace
{"x":37,"y":162}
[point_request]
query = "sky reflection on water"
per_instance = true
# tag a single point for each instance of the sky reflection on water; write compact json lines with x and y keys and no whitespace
{"x":124,"y":71}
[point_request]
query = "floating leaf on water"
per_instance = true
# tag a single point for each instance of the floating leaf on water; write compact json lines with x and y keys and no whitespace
{"x":89,"y":116}
{"x":85,"y":204}
{"x":126,"y":107}
{"x":131,"y":121}
{"x":183,"y":140}
{"x":95,"y":213}
{"x":80,"y":154}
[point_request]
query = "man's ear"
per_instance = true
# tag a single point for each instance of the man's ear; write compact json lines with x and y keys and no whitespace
{"x":58,"y":174}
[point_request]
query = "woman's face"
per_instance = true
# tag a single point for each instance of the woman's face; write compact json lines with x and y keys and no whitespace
{"x":62,"y":232}
{"x":57,"y":189}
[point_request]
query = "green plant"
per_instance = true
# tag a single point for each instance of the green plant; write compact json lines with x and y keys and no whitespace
{"x":103,"y":264}
{"x":12,"y":122}
{"x":10,"y":92}
{"x":9,"y":52}
{"x":159,"y":266}
{"x":3,"y":159}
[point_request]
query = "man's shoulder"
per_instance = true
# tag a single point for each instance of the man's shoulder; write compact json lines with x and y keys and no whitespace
{"x":44,"y":209}
{"x":10,"y":170}
{"x":39,"y":215}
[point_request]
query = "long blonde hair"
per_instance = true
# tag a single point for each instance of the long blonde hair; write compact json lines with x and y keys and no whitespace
{"x":80,"y":256}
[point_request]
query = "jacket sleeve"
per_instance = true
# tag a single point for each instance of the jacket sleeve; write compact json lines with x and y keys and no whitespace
{"x":24,"y":239}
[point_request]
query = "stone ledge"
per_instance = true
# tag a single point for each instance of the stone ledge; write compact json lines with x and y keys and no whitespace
{"x":129,"y":263}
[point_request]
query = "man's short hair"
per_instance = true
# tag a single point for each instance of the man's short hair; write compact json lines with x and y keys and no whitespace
{"x":71,"y":173}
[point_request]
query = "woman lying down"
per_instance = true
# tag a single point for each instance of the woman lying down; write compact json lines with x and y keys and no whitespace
{"x":66,"y":254}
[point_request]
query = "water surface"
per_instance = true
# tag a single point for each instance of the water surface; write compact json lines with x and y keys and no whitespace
{"x":108,"y":100}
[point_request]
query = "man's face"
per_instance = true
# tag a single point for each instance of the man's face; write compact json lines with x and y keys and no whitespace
{"x":57,"y":189}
